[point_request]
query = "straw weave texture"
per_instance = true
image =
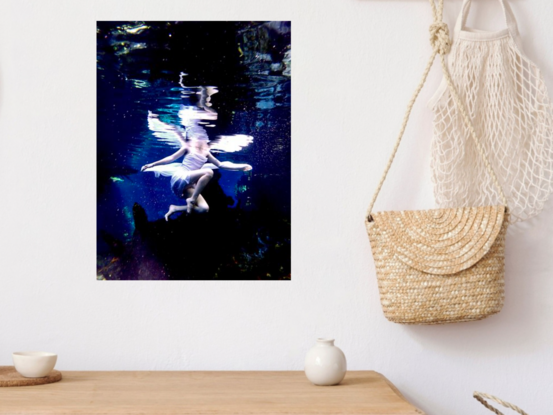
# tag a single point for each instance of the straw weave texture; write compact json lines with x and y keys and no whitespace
{"x":441,"y":265}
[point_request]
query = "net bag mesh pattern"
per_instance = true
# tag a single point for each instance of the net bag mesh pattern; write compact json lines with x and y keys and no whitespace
{"x":507,"y":101}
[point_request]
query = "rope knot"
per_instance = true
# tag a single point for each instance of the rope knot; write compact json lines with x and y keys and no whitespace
{"x":439,"y":38}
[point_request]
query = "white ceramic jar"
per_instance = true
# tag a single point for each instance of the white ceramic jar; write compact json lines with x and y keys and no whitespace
{"x":325,"y":364}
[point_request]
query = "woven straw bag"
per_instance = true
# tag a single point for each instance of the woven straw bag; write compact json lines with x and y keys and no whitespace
{"x":442,"y":265}
{"x":481,"y":397}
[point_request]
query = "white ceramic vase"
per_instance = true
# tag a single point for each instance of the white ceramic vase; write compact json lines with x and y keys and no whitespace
{"x":325,"y":364}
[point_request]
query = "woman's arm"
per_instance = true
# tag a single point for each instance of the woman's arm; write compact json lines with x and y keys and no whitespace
{"x":212,"y":159}
{"x":166,"y":160}
{"x":227,"y":165}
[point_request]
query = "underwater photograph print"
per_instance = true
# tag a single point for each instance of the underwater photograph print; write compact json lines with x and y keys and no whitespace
{"x":193,"y":150}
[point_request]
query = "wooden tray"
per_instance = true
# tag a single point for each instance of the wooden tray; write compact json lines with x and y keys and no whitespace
{"x":10,"y":377}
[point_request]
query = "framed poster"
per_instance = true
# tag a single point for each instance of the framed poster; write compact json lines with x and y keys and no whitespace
{"x":193,"y":150}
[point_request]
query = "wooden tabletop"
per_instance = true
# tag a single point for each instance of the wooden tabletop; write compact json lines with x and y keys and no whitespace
{"x":213,"y":393}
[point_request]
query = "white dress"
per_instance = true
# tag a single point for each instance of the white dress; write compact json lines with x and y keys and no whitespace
{"x":180,"y":172}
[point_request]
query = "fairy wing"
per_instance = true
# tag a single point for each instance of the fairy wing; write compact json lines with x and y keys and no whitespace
{"x":194,"y":119}
{"x":164,"y":132}
{"x":230,"y":143}
{"x":190,"y":119}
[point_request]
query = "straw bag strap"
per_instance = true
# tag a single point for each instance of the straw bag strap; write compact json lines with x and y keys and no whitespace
{"x":441,"y":44}
{"x":481,"y":397}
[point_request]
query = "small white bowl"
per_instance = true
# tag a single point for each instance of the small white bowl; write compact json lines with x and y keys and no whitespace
{"x":34,"y":364}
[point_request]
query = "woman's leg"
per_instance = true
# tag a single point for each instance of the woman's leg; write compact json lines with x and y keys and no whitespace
{"x":201,"y":178}
{"x":186,"y":193}
{"x":194,"y":200}
{"x":201,"y":205}
{"x":174,"y":209}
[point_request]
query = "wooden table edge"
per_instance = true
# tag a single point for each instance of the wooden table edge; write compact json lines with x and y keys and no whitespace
{"x":67,"y":376}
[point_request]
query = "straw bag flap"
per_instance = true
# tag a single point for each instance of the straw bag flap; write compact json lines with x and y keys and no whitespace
{"x":438,"y":241}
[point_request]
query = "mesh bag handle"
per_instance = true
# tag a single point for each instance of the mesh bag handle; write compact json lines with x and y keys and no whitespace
{"x":481,"y":397}
{"x":441,"y":45}
{"x":510,"y":19}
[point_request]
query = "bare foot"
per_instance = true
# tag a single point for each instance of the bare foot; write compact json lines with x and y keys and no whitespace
{"x":172,"y":209}
{"x":190,"y":203}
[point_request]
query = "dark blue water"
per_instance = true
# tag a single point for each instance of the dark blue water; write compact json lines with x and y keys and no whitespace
{"x":139,"y":64}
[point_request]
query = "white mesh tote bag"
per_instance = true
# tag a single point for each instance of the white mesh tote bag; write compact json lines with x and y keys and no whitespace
{"x":510,"y":109}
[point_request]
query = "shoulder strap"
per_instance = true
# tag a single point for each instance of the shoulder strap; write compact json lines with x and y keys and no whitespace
{"x":441,"y":44}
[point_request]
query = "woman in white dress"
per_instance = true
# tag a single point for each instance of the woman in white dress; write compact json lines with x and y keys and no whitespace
{"x":190,"y":178}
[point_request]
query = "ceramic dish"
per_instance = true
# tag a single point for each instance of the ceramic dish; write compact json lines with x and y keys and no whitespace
{"x":34,"y":364}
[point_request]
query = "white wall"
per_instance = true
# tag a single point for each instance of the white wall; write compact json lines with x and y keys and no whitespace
{"x":355,"y":64}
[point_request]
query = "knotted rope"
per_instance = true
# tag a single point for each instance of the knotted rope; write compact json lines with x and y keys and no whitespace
{"x":441,"y":45}
{"x":439,"y":38}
